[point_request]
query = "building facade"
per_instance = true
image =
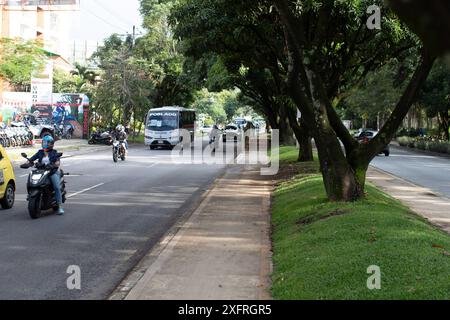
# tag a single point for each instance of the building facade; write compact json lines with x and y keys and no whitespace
{"x":47,"y":20}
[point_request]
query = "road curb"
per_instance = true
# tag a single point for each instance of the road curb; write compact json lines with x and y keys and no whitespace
{"x":426,"y":203}
{"x":413,"y":184}
{"x":132,"y":278}
{"x":425,"y":152}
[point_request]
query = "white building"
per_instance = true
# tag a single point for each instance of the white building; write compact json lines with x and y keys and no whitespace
{"x":46,"y":20}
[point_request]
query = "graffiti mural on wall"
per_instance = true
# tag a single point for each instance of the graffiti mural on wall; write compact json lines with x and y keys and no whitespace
{"x":67,"y":109}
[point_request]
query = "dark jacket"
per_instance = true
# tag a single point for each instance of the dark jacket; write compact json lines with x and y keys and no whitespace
{"x":52,"y":155}
{"x":121,"y":136}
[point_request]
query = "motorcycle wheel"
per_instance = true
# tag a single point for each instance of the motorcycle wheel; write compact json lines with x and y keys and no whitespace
{"x":123,"y":156}
{"x":115,"y":157}
{"x":34,"y":207}
{"x":91,"y":142}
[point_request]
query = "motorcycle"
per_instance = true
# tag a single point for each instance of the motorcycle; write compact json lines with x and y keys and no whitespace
{"x":68,"y":132}
{"x":41,"y":194}
{"x":64,"y":131}
{"x":119,"y":150}
{"x":11,"y":142}
{"x":101,"y":138}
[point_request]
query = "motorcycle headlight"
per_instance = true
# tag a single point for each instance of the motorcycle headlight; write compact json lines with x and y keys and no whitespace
{"x":35,"y":178}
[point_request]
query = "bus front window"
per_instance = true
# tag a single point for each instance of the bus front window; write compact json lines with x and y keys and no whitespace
{"x":162,"y":122}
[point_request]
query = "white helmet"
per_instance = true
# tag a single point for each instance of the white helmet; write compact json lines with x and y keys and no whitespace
{"x":120,"y":128}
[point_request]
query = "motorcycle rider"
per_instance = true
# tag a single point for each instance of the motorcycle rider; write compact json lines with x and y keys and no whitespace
{"x":215,"y":132}
{"x":49,"y":157}
{"x":121,"y":135}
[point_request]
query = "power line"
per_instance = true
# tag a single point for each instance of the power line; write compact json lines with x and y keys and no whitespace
{"x":105,"y":21}
{"x":114,"y":14}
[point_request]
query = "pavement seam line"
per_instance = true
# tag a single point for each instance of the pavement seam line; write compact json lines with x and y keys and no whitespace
{"x":84,"y":190}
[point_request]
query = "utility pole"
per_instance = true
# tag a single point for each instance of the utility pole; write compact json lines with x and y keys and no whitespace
{"x":74,"y":51}
{"x":134,"y":35}
{"x":85,"y":51}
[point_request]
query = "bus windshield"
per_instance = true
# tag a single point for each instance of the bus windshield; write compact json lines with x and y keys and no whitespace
{"x":163,"y":121}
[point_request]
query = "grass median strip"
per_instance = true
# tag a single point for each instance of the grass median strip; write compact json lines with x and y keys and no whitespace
{"x":322,"y":250}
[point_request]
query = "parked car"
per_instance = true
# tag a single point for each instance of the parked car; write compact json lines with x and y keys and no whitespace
{"x":7,"y":181}
{"x":366,"y":135}
{"x":240,"y":122}
{"x":231,"y":132}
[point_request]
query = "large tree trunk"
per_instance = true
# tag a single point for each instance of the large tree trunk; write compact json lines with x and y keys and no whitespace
{"x":343,"y":174}
{"x":272,"y":121}
{"x":286,"y":132}
{"x":302,"y":135}
{"x":444,"y":121}
{"x":305,"y":153}
{"x":341,"y":181}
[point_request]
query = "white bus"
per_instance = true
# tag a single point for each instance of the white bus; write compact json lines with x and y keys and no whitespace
{"x":162,"y":128}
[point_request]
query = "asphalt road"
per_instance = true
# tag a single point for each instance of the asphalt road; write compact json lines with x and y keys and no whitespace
{"x":425,"y":170}
{"x":115,"y":214}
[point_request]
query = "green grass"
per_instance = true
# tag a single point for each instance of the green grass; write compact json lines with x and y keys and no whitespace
{"x":321,"y":257}
{"x":288,"y":154}
{"x":137,"y":139}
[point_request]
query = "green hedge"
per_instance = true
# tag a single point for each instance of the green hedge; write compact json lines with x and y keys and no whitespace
{"x":428,"y":144}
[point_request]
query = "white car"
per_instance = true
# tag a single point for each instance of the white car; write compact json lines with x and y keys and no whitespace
{"x":366,"y":135}
{"x":232,"y":133}
{"x":206,"y":130}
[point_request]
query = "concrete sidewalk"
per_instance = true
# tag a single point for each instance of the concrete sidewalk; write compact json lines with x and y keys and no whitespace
{"x":429,"y":204}
{"x":221,"y":252}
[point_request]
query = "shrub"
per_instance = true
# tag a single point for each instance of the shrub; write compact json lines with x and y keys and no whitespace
{"x":440,"y":146}
{"x":430,"y":143}
{"x":404,"y":141}
{"x":420,"y":144}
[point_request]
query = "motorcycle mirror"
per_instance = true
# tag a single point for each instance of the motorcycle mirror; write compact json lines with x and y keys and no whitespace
{"x":24,"y":155}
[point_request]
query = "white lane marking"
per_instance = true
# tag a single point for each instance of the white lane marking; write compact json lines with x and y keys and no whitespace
{"x":85,"y":190}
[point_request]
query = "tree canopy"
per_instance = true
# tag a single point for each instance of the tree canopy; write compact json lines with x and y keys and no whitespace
{"x":19,"y":59}
{"x":308,"y":55}
{"x":436,"y":96}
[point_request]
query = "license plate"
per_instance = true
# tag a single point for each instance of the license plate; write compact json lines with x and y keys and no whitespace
{"x":160,"y":142}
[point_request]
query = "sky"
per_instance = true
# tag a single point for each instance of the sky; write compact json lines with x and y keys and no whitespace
{"x":98,"y":19}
